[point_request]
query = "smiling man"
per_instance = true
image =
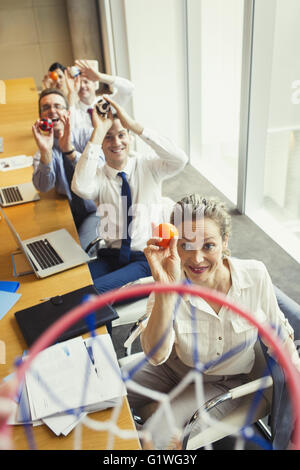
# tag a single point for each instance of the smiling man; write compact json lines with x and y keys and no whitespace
{"x":126,"y":190}
{"x":55,"y":160}
{"x":89,"y":80}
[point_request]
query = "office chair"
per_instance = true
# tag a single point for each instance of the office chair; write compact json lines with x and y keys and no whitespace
{"x":93,"y":247}
{"x":240,"y":418}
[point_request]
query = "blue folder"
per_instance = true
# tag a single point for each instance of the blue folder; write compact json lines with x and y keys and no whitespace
{"x":9,"y":286}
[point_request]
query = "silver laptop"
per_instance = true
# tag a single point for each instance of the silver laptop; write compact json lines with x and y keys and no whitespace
{"x":18,"y":194}
{"x":50,"y":253}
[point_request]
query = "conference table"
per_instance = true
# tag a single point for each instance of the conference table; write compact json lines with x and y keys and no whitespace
{"x":51,"y":212}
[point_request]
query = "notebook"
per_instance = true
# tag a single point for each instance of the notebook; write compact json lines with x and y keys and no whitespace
{"x":18,"y":194}
{"x":33,"y":321}
{"x":50,"y":253}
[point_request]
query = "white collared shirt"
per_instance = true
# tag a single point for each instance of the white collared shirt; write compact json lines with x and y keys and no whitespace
{"x":216,"y":334}
{"x":145,"y":174}
{"x":123,"y":91}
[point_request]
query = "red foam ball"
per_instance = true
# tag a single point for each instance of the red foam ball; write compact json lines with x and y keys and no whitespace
{"x":46,"y":125}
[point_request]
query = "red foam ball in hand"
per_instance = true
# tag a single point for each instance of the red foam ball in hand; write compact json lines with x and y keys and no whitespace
{"x":165,"y":231}
{"x":46,"y":125}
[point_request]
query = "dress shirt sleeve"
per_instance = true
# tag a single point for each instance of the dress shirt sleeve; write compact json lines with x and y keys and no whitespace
{"x":43,"y":176}
{"x":80,"y":138}
{"x":74,"y":117}
{"x":123,"y":90}
{"x":85,"y":182}
{"x":143,"y":325}
{"x":171,"y":159}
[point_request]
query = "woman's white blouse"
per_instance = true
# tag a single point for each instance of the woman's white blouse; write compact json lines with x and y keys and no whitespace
{"x":217,"y":334}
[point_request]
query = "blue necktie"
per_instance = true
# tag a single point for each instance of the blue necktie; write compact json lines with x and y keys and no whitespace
{"x":126,"y":204}
{"x":90,"y":111}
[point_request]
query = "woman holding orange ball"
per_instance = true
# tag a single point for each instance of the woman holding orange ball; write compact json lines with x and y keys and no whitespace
{"x":56,"y":77}
{"x":197,"y":332}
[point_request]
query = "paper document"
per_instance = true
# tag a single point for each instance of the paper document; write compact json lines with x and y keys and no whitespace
{"x":70,"y":379}
{"x":15,"y":163}
{"x":52,"y":389}
{"x":7,"y":301}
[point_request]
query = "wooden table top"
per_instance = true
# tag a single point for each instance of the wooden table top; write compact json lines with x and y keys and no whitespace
{"x":50,"y":213}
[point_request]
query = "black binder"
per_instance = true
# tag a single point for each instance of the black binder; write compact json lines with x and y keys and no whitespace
{"x":33,"y":321}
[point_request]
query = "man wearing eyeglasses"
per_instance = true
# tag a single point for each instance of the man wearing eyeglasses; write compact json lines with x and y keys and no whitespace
{"x":54,"y":162}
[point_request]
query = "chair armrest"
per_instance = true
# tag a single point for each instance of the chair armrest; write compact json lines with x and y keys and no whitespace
{"x":251,"y":387}
{"x":134,"y":332}
{"x":237,"y":392}
{"x":92,"y":243}
{"x":141,"y":280}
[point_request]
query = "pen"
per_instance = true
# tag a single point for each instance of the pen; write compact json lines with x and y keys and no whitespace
{"x":91,"y":354}
{"x":56,"y":300}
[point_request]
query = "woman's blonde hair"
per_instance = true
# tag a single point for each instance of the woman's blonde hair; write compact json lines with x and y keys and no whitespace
{"x":194,"y":205}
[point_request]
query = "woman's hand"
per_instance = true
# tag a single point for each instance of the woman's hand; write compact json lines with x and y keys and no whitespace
{"x":127,"y":121}
{"x":165,"y":268}
{"x":164,"y":262}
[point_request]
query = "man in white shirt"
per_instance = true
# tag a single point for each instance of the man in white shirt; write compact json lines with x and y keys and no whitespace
{"x":144,"y":175}
{"x":88,"y":83}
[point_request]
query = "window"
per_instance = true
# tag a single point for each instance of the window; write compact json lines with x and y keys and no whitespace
{"x":273,"y":166}
{"x":215,"y":38}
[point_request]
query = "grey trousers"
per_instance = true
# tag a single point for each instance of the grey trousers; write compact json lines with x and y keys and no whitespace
{"x":164,"y":378}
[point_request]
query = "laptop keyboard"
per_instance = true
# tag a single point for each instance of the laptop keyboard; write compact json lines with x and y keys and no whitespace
{"x":12,"y":194}
{"x":44,"y":253}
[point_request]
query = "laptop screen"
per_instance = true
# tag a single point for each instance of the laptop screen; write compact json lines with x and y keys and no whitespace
{"x":12,"y":229}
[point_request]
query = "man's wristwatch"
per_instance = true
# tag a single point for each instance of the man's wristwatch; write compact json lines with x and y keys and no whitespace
{"x":69,"y":152}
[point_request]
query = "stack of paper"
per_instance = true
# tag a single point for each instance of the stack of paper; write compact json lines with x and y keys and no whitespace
{"x":15,"y":163}
{"x":70,"y":379}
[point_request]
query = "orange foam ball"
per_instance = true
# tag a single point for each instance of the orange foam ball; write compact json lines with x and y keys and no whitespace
{"x":54,"y":75}
{"x":165,"y":231}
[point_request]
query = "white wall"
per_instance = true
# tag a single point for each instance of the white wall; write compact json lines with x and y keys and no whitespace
{"x":155,"y":35}
{"x":221,"y":39}
{"x":192,"y":96}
